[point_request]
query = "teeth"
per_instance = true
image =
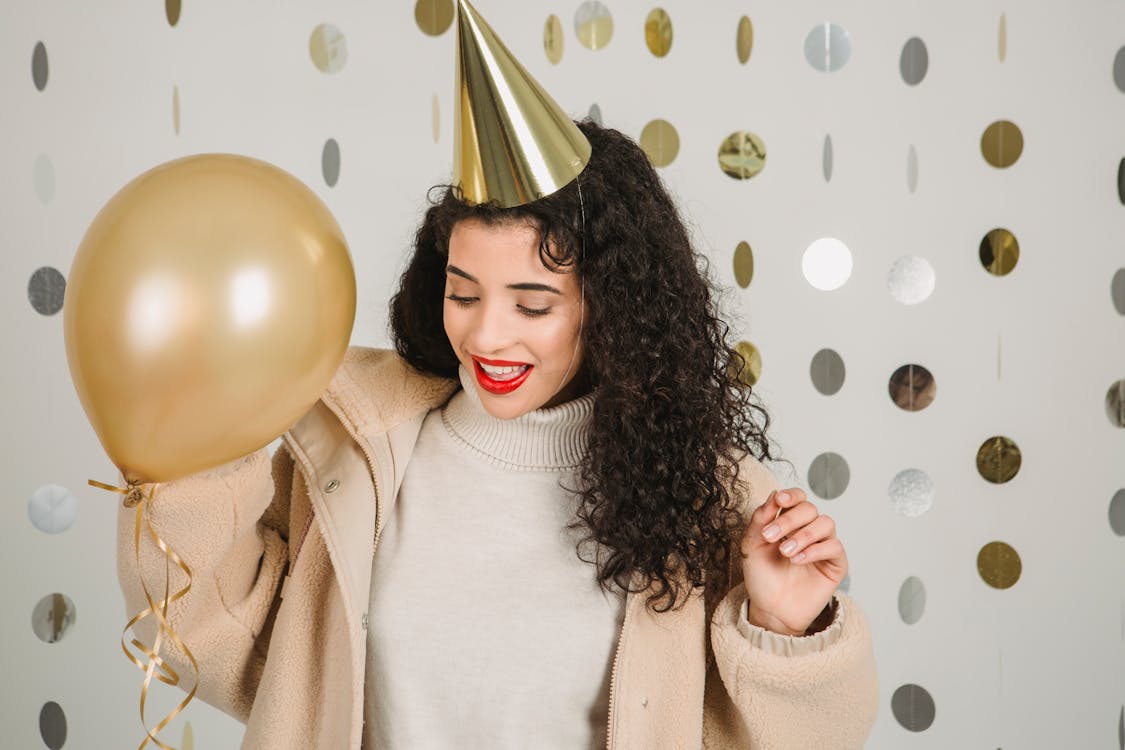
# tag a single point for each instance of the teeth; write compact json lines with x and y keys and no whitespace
{"x":503,"y":373}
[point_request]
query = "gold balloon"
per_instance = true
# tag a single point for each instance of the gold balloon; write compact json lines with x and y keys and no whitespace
{"x":208,"y":306}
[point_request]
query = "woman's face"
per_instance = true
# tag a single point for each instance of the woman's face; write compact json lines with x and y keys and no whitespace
{"x":514,"y":324}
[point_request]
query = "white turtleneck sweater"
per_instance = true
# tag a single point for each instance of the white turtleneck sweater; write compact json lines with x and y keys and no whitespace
{"x":485,"y":629}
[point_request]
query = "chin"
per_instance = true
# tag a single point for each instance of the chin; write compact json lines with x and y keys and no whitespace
{"x":502,"y":411}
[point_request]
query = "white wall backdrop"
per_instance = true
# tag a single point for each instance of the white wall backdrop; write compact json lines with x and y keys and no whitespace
{"x":95,"y":92}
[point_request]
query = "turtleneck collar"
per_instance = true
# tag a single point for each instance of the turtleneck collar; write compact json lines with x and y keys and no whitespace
{"x":543,"y":439}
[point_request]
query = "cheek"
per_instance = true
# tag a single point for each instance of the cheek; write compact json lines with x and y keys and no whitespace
{"x":453,"y":318}
{"x":562,"y":338}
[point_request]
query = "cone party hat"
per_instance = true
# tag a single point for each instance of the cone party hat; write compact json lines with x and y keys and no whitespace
{"x":512,"y":143}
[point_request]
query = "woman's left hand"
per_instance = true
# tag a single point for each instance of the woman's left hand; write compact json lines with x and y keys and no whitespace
{"x":791,"y":563}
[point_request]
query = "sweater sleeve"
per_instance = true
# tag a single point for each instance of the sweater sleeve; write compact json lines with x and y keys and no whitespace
{"x":825,"y":698}
{"x":768,"y":691}
{"x":229,"y":525}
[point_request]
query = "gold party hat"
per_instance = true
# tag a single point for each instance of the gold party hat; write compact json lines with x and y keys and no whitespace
{"x":512,"y":143}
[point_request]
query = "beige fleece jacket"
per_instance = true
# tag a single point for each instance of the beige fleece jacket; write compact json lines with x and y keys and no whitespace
{"x":281,"y":563}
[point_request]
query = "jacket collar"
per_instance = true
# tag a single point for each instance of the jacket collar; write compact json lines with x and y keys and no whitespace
{"x":375,"y":390}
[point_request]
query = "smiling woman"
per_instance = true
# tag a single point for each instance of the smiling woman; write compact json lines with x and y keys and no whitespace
{"x":591,"y":301}
{"x":631,"y":320}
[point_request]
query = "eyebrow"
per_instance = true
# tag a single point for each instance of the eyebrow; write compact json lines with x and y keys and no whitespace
{"x":522,"y":287}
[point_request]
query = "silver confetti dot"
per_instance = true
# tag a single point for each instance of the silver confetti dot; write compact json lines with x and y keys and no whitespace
{"x":52,"y":509}
{"x":911,"y":492}
{"x":827,"y":372}
{"x":1119,"y":69}
{"x":826,"y":158}
{"x":913,"y":707}
{"x":39,"y":66}
{"x":829,"y":476}
{"x":52,"y":617}
{"x":45,"y":290}
{"x":914,"y":61}
{"x":912,"y":169}
{"x":911,"y":280}
{"x":911,"y":600}
{"x":52,"y":725}
{"x":43,"y":178}
{"x":1117,"y":291}
{"x":828,"y":47}
{"x":330,"y":162}
{"x":1117,"y":513}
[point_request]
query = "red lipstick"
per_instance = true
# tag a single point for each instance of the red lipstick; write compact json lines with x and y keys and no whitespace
{"x":499,"y":387}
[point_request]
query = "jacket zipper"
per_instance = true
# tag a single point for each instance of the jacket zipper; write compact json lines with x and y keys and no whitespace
{"x":613,"y":675}
{"x":378,"y":496}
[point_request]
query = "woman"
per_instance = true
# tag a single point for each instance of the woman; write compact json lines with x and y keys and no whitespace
{"x":551,"y":555}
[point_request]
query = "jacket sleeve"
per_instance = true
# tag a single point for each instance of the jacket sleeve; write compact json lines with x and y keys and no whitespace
{"x":781,"y":692}
{"x":229,"y":525}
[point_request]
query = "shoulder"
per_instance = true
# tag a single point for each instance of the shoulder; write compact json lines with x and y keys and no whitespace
{"x":755,"y":483}
{"x":376,"y":389}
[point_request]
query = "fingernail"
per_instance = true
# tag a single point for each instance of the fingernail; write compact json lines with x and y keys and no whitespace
{"x":771,"y":532}
{"x":781,"y":497}
{"x":788,"y":547}
{"x":799,"y":558}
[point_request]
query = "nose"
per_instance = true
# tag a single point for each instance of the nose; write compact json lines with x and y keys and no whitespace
{"x":491,"y":330}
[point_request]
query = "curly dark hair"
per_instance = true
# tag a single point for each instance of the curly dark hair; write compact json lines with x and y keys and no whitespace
{"x":672,"y":412}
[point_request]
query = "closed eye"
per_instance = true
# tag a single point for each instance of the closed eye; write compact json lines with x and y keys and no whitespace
{"x":462,"y":301}
{"x":531,"y":312}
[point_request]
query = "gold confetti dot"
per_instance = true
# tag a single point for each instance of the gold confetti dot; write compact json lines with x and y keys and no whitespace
{"x":328,"y":48}
{"x":1002,"y":38}
{"x":1001,"y":143}
{"x":433,"y":16}
{"x":172,"y":11}
{"x":742,"y":155}
{"x":999,"y":459}
{"x":912,"y":387}
{"x":553,"y":39}
{"x":658,"y":32}
{"x":1115,"y":404}
{"x":435,"y":117}
{"x":751,"y":369}
{"x":744,"y":39}
{"x":999,"y":252}
{"x":176,"y":109}
{"x":999,"y":565}
{"x":593,"y":24}
{"x":743,"y":264}
{"x":661,"y":142}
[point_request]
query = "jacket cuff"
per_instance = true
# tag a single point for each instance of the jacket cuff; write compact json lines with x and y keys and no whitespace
{"x":788,"y":645}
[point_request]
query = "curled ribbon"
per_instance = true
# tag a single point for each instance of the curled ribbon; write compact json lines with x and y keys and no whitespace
{"x":156,"y":667}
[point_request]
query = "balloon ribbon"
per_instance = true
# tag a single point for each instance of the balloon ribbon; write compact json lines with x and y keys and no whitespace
{"x":156,"y":667}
